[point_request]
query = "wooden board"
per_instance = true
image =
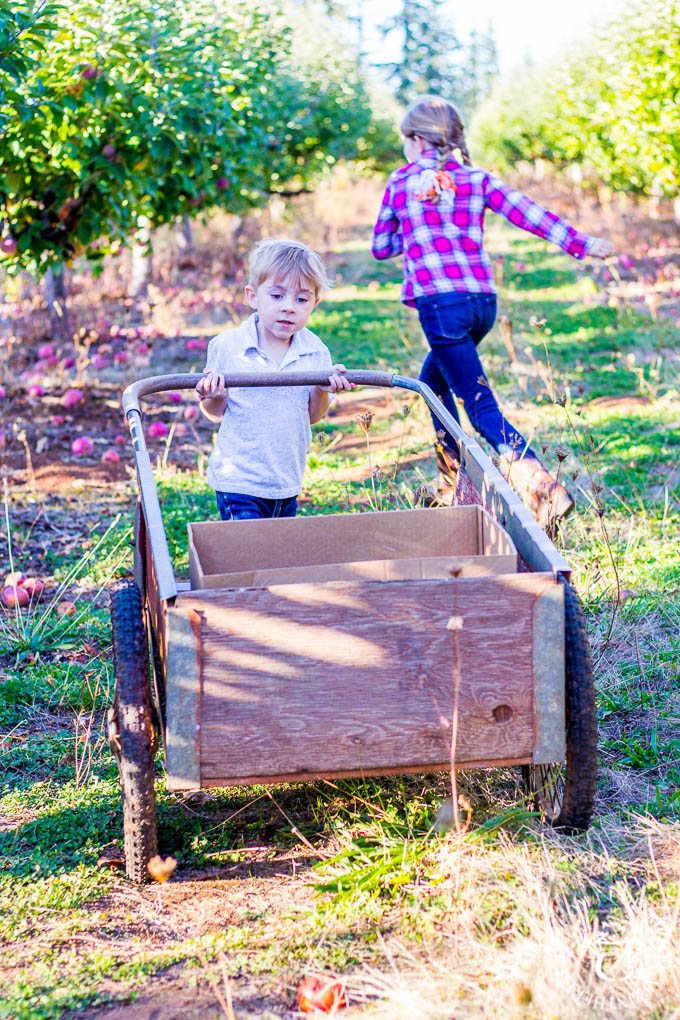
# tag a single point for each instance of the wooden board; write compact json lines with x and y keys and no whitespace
{"x":350,"y":677}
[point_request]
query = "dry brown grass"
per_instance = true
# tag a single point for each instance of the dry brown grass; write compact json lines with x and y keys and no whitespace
{"x":537,"y":934}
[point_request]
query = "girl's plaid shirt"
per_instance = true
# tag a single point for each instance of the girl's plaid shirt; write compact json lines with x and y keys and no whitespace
{"x":441,"y":239}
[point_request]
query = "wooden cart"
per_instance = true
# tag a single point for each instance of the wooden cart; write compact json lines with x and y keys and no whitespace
{"x":344,"y":645}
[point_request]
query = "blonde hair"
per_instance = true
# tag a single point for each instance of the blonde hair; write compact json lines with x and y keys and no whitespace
{"x":281,"y":260}
{"x":438,"y":122}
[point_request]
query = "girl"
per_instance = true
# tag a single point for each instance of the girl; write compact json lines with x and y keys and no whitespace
{"x":433,"y":213}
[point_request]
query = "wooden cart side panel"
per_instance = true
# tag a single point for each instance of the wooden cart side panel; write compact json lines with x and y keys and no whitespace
{"x":183,"y":693}
{"x":443,"y":766}
{"x":155,"y":606}
{"x":549,"y":662}
{"x":349,"y":677}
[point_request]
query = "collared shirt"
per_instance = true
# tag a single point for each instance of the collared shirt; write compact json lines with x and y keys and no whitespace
{"x":265,"y":433}
{"x":442,"y":240}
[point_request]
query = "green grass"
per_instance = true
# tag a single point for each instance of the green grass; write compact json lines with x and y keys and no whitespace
{"x":385,"y":872}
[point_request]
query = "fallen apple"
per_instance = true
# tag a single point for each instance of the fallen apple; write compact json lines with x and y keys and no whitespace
{"x":120,"y":440}
{"x":15,"y":596}
{"x":82,"y":446}
{"x":66,"y":609}
{"x":158,"y":429}
{"x":34,"y":587}
{"x":71,"y":398}
{"x":321,"y":992}
{"x":16,"y":577}
{"x":110,"y":457}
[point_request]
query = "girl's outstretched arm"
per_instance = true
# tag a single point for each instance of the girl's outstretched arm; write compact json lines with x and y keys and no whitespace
{"x":387,"y":236}
{"x":523,"y":212}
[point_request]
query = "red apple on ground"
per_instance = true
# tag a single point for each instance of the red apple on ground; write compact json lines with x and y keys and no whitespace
{"x":15,"y":578}
{"x":13,"y":596}
{"x":82,"y":446}
{"x":66,"y":609}
{"x":72,"y":397}
{"x":158,"y":429}
{"x":319,"y":992}
{"x":110,"y":457}
{"x":34,"y":587}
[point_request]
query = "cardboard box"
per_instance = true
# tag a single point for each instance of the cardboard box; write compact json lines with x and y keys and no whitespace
{"x":388,"y":546}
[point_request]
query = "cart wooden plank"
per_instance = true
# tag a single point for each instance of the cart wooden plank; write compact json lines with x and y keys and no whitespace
{"x":343,"y":678}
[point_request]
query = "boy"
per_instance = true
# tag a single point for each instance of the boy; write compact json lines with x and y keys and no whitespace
{"x":257,"y":464}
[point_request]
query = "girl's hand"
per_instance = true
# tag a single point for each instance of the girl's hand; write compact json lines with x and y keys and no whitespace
{"x":338,"y":381}
{"x":211,"y":385}
{"x":601,"y":248}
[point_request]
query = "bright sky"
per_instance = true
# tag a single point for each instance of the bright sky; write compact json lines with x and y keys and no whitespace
{"x":537,"y":28}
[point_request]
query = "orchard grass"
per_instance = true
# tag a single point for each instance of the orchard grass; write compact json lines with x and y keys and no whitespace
{"x":352,"y":876}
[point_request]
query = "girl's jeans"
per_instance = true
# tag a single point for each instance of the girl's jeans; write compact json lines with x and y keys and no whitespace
{"x":454,"y":324}
{"x":236,"y":506}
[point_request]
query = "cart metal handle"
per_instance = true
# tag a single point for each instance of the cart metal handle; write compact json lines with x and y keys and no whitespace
{"x":159,"y":383}
{"x":530,"y":540}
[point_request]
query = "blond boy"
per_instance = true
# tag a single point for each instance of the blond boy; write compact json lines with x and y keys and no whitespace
{"x":257,"y":464}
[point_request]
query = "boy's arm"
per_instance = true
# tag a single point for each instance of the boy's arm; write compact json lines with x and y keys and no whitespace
{"x":387,"y":236}
{"x":319,"y":397}
{"x":523,"y":212}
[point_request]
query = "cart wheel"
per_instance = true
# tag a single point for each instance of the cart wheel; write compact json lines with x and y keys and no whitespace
{"x":133,"y":731}
{"x":564,"y":792}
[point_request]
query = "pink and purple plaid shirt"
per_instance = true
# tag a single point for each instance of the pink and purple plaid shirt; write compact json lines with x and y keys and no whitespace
{"x":442,"y":241}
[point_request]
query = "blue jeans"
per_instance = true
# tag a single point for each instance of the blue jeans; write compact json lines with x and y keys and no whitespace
{"x":454,"y":324}
{"x":237,"y":506}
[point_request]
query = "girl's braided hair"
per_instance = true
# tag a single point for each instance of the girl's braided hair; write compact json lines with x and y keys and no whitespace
{"x":438,"y":122}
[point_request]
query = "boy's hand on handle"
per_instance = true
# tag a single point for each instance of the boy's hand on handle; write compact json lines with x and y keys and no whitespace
{"x":338,"y":380}
{"x":211,"y":385}
{"x":601,"y":248}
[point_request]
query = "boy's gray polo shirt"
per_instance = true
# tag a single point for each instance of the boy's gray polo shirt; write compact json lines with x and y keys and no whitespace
{"x":264,"y":436}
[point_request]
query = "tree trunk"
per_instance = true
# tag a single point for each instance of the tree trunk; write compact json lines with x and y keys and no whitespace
{"x":184,"y":236}
{"x":142,"y":259}
{"x":655,"y":196}
{"x":54,"y":290}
